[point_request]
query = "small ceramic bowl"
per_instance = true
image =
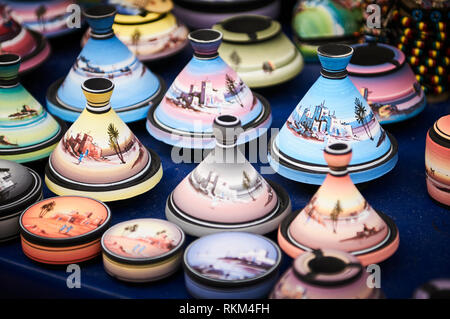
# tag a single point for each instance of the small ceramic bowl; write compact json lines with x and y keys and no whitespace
{"x":142,"y":250}
{"x":325,"y":274}
{"x":19,"y":188}
{"x":234,"y":265}
{"x":63,"y":230}
{"x":434,"y":289}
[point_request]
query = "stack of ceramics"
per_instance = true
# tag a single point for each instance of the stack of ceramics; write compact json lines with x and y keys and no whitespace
{"x":225,"y":192}
{"x":332,"y":111}
{"x":381,"y":74}
{"x":137,"y":88}
{"x":325,"y":274}
{"x":151,"y":33}
{"x":205,"y":88}
{"x":257,"y":49}
{"x":338,"y":217}
{"x":99,"y":156}
{"x":27,"y":131}
{"x":19,"y":188}
{"x":199,"y":14}
{"x":317,"y":22}
{"x":31,"y":46}
{"x":46,"y":17}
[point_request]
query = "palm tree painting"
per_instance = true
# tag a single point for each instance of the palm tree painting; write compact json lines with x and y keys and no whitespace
{"x":236,"y":59}
{"x":246,"y":184}
{"x":46,"y":208}
{"x":135,"y":39}
{"x":337,"y":210}
{"x":40,"y":12}
{"x":113,"y":134}
{"x":229,"y":81}
{"x":360,"y":115}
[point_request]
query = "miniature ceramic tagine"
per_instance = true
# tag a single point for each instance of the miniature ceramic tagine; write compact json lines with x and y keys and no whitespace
{"x":205,"y":13}
{"x":437,"y":160}
{"x":19,"y":188}
{"x":325,"y":274}
{"x":99,"y":156}
{"x":46,"y":17}
{"x":386,"y":81}
{"x":434,"y":289}
{"x":225,"y":192}
{"x":235,"y":265}
{"x":318,"y":22}
{"x":31,"y":46}
{"x":63,"y":230}
{"x":149,"y":35}
{"x":137,"y":88}
{"x":205,"y":88}
{"x":142,"y":250}
{"x":332,"y":111}
{"x":257,"y":49}
{"x":338,"y":217}
{"x":27,"y":131}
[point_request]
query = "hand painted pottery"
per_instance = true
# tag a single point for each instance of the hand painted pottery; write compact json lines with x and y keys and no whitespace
{"x":106,"y":56}
{"x":139,"y":6}
{"x":205,"y":13}
{"x":142,"y":250}
{"x":332,"y":111}
{"x":225,"y":192}
{"x":388,"y":84}
{"x":29,"y":45}
{"x":338,"y":217}
{"x":235,"y":265}
{"x":27,"y":131}
{"x":257,"y":49}
{"x":46,"y":17}
{"x":19,"y":188}
{"x":437,"y":160}
{"x":325,"y":274}
{"x":318,"y":22}
{"x":99,"y":156}
{"x":63,"y":230}
{"x":207,"y":87}
{"x":434,"y":289}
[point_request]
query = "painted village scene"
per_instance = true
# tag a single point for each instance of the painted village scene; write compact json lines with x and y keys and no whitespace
{"x":6,"y":184}
{"x":24,"y":113}
{"x":84,"y":67}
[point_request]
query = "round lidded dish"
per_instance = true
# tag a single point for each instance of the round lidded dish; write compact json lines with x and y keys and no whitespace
{"x":19,"y":188}
{"x":142,"y":250}
{"x":434,"y":289}
{"x":231,"y":265}
{"x":64,"y":229}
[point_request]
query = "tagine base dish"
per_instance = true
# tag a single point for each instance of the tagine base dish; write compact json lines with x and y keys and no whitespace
{"x":39,"y":56}
{"x":438,"y":192}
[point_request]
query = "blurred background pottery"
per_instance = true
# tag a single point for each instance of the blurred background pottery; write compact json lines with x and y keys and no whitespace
{"x":137,"y":88}
{"x":225,"y":192}
{"x":434,"y":289}
{"x":332,"y":111}
{"x":99,"y":156}
{"x":27,"y":131}
{"x":257,"y":49}
{"x":205,"y":88}
{"x":19,"y":188}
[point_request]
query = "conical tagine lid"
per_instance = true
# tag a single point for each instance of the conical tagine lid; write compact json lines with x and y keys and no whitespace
{"x":27,"y":131}
{"x":332,"y":111}
{"x":99,"y":156}
{"x":225,"y":192}
{"x":29,"y":45}
{"x":338,"y":217}
{"x":205,"y":88}
{"x":137,"y":88}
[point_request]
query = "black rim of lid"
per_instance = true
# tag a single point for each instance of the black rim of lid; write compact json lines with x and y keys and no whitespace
{"x":335,"y":50}
{"x":100,"y":11}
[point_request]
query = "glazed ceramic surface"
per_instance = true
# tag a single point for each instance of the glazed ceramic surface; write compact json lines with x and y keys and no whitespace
{"x":19,"y":188}
{"x":104,"y":55}
{"x":29,"y":45}
{"x":338,"y":217}
{"x":63,"y":230}
{"x":142,"y":249}
{"x":325,"y":274}
{"x":381,"y":75}
{"x":205,"y":88}
{"x":231,"y":264}
{"x":437,"y":160}
{"x":434,"y":289}
{"x":27,"y":131}
{"x":332,"y":111}
{"x":99,"y":156}
{"x":257,"y":49}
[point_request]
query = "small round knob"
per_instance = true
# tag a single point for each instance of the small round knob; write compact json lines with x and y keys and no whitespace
{"x":100,"y":18}
{"x":205,"y":42}
{"x":334,"y":57}
{"x":227,"y":129}
{"x":9,"y":69}
{"x":338,"y":155}
{"x":97,"y":91}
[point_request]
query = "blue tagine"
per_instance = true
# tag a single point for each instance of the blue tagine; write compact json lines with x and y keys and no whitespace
{"x":137,"y":88}
{"x":332,"y":111}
